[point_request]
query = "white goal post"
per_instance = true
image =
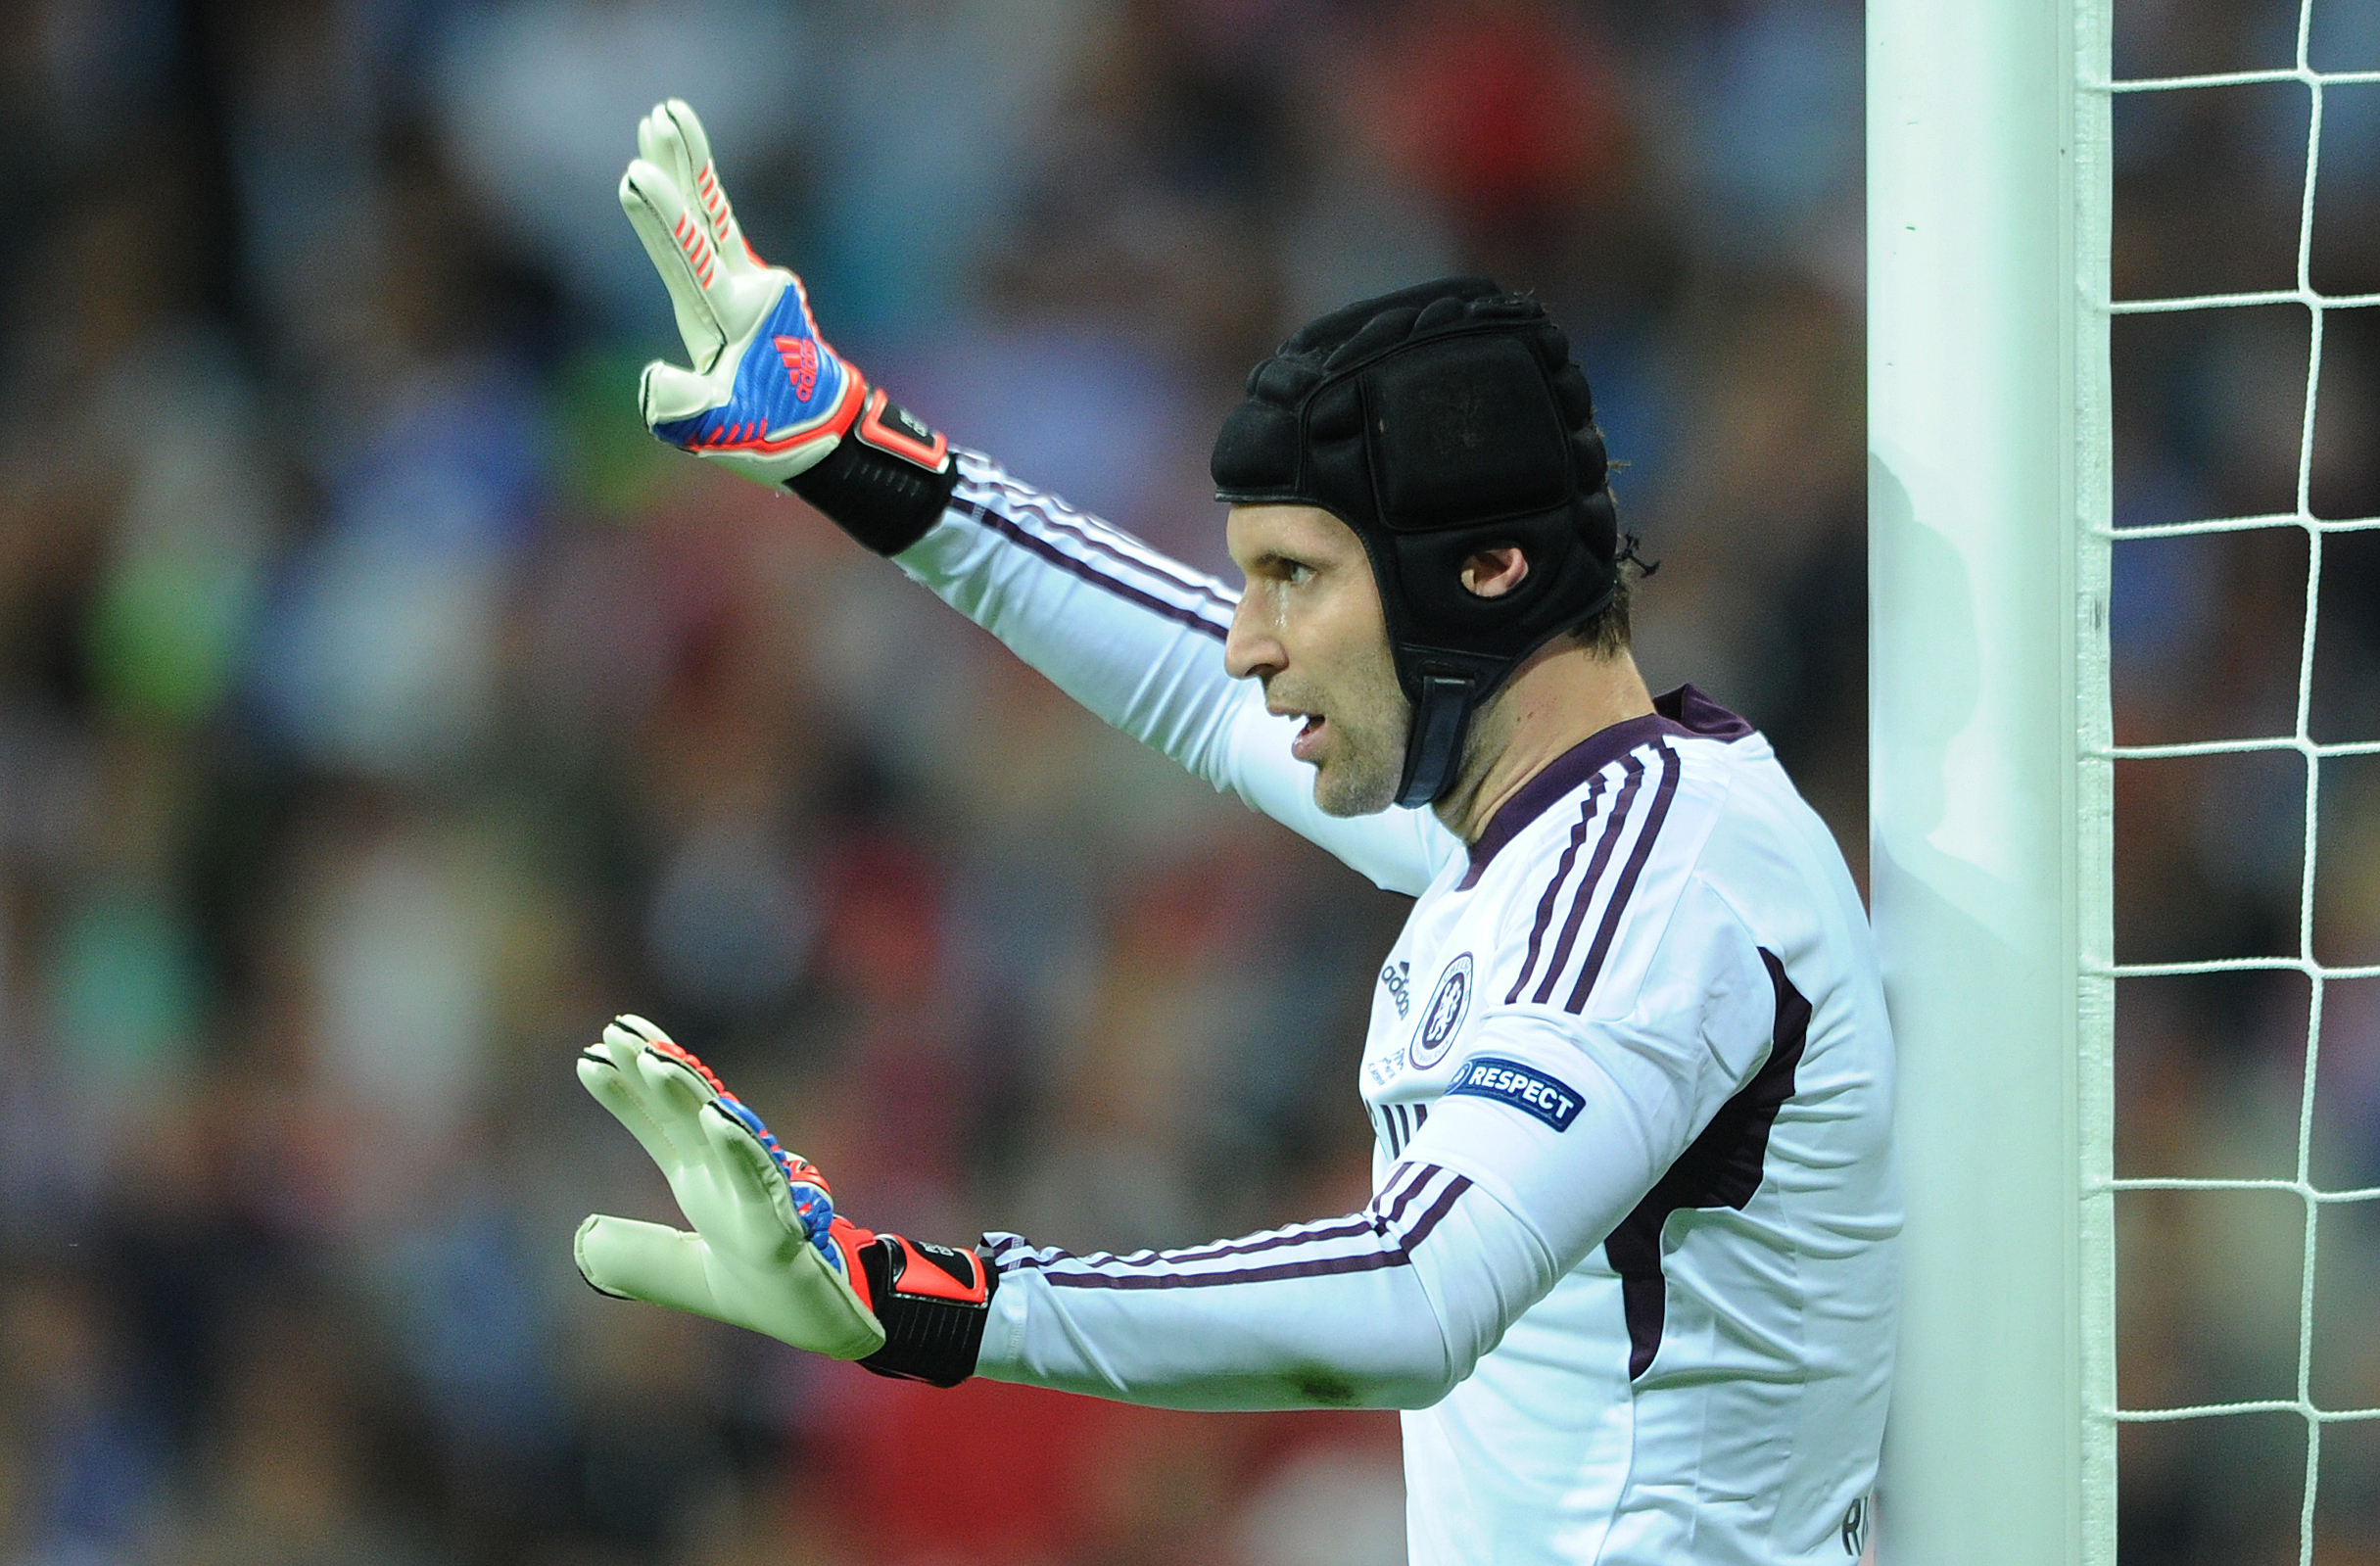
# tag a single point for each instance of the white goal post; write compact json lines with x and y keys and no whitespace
{"x":1988,"y":196}
{"x":1991,"y":527}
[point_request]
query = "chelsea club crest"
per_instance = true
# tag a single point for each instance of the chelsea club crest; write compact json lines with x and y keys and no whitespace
{"x":1443,"y":1015}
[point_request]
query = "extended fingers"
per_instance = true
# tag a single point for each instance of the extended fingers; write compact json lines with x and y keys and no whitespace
{"x":675,"y":1088}
{"x":740,"y":1193}
{"x":631,"y":1260}
{"x":636,"y":1029}
{"x":608,"y":1086}
{"x":607,"y":1070}
{"x":672,"y":135}
{"x":762,"y":1204}
{"x":651,"y":1086}
{"x":683,"y":252}
{"x":663,"y":142}
{"x":668,"y":394}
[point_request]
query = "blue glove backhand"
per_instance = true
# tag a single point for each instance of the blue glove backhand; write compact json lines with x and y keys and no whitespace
{"x":766,"y":396}
{"x":813,"y":1203}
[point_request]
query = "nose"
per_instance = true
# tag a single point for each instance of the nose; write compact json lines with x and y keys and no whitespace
{"x":1249,"y":648}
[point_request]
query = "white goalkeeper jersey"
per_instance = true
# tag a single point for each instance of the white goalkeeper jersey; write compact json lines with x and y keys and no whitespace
{"x":1630,"y":1262}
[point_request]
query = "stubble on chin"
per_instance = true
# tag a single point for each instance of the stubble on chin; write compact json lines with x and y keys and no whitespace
{"x":1361,"y":781}
{"x":1336,"y":794}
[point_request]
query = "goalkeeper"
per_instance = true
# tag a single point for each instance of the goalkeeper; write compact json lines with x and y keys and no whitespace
{"x":1630,"y":1266}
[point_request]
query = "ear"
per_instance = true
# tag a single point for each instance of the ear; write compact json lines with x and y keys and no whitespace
{"x":1493,"y":573}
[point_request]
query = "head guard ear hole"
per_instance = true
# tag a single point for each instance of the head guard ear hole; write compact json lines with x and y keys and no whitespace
{"x":1486,"y":552}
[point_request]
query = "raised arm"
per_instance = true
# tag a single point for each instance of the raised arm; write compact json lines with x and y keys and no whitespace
{"x":1134,"y":637}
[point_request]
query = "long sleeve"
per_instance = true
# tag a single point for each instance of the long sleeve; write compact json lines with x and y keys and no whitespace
{"x":1137,"y":638}
{"x":1388,"y":1307}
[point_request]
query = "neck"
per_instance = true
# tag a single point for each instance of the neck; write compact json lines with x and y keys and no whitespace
{"x":1559,"y":697}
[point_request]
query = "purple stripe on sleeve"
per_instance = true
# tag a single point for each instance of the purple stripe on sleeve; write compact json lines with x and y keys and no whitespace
{"x":1407,"y":1183}
{"x":1085,"y":570}
{"x":1051,"y":510}
{"x":1671,"y":767}
{"x":1063,"y":1269}
{"x":1011,"y":1251}
{"x":1335,"y":1229}
{"x":1438,"y":1210}
{"x":1428,"y":1172}
{"x":1363,"y":1262}
{"x":1595,"y":867}
{"x":1402,"y":1184}
{"x":1396,"y":1256}
{"x":1553,"y":889}
{"x":1088,"y":529}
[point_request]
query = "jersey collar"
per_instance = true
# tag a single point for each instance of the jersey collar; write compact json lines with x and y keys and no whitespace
{"x":1685,"y":712}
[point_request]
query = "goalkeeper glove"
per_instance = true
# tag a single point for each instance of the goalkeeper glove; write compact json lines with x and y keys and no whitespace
{"x":768,"y":1251}
{"x":767,"y":396}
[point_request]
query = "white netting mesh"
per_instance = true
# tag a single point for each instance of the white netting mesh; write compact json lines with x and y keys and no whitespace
{"x":2103,"y":972}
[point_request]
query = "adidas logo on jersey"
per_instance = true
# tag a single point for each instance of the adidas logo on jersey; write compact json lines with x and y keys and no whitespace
{"x":1397,"y":977}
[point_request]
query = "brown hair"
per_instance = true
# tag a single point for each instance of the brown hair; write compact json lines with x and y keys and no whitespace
{"x":1604,"y":633}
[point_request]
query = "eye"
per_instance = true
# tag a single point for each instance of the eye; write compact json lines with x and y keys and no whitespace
{"x":1297,"y":573}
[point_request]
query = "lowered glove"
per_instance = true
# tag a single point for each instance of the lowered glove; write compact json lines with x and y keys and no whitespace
{"x":766,"y":396}
{"x":767,"y":1251}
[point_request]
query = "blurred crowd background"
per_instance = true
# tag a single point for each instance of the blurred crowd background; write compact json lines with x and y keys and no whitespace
{"x":381,"y":711}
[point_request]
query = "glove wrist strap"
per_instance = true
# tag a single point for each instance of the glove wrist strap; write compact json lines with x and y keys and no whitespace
{"x":932,"y":1301}
{"x":887,"y":481}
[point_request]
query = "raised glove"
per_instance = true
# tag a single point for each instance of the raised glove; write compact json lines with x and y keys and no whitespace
{"x":766,"y":396}
{"x":767,"y":1251}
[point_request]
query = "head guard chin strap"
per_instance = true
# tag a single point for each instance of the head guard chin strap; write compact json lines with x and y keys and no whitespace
{"x":1439,"y":421}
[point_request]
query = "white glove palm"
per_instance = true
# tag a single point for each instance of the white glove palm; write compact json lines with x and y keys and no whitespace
{"x":756,"y":1259}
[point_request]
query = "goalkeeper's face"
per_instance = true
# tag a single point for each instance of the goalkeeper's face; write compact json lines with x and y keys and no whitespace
{"x":1309,"y":626}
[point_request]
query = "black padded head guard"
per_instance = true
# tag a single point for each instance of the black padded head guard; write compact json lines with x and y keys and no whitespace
{"x":1439,"y":421}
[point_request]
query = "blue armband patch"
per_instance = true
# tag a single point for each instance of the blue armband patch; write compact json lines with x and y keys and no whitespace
{"x":1524,"y":1087}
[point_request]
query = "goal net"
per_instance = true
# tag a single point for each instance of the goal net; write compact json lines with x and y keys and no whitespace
{"x":2175,"y":1281}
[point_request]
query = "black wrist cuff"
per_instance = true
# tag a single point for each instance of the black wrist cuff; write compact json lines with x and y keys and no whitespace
{"x":932,"y":1301}
{"x":887,"y":481}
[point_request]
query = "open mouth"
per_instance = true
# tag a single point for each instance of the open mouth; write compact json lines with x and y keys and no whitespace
{"x":1308,"y":736}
